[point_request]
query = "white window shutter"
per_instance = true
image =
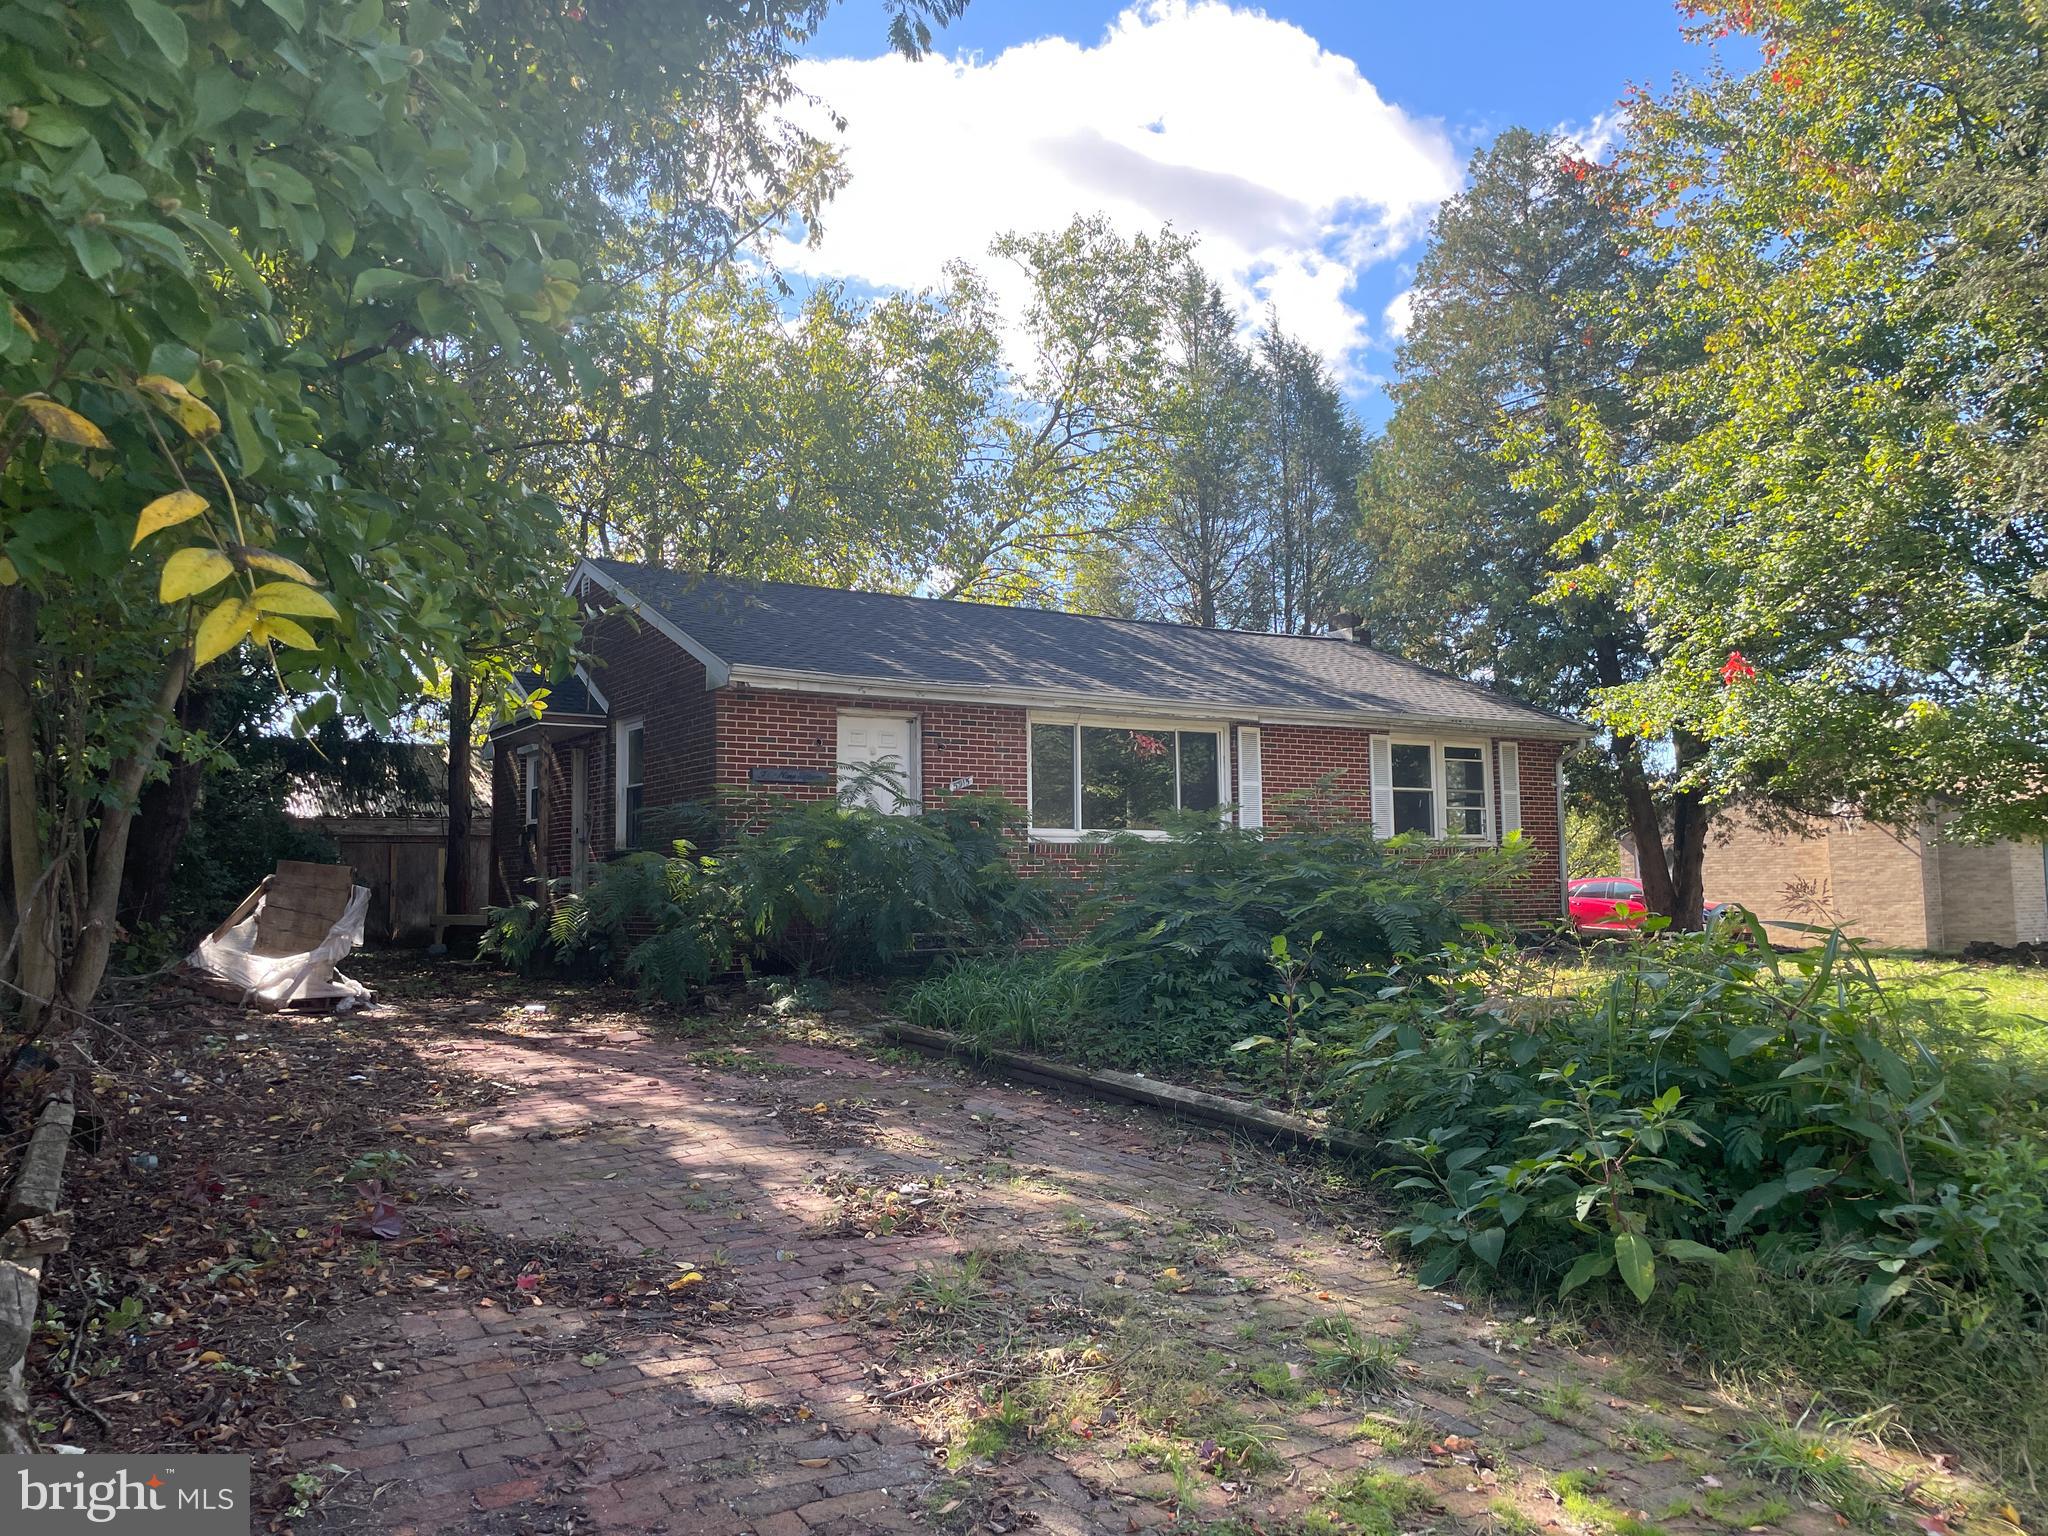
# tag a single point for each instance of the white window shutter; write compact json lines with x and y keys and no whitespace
{"x":1383,"y":786}
{"x":1251,"y":779}
{"x":1510,"y":788}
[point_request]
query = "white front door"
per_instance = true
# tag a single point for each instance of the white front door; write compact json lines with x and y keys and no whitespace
{"x":878,"y":761}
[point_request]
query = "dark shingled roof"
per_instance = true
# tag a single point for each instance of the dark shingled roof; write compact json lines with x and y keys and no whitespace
{"x":567,"y":695}
{"x":873,"y":637}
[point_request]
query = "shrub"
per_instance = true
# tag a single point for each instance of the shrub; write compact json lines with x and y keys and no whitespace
{"x":1711,"y":1096}
{"x":1179,"y":959}
{"x":824,"y":889}
{"x":665,"y":923}
{"x":831,"y":888}
{"x":516,"y":935}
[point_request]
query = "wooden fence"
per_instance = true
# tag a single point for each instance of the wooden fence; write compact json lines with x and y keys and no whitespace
{"x":402,"y":860}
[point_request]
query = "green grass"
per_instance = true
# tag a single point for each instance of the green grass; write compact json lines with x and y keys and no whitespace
{"x":2012,"y":999}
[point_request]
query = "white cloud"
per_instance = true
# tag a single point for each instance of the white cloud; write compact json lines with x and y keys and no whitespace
{"x":1228,"y":123}
{"x":1594,"y":140}
{"x":1399,"y":313}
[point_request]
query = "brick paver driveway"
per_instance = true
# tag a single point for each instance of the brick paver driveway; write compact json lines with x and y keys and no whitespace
{"x":955,"y":1303}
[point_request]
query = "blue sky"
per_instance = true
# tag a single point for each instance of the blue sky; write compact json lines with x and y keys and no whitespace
{"x":1306,"y":143}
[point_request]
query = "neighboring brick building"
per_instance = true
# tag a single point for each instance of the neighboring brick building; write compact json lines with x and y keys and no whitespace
{"x":698,"y":685}
{"x":1909,"y":889}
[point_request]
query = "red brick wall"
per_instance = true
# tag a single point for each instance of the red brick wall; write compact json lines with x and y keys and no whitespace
{"x":645,"y":675}
{"x":1538,"y":897}
{"x":764,"y":728}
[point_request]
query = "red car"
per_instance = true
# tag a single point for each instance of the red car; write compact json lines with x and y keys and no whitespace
{"x":1605,"y":904}
{"x":1612,"y":904}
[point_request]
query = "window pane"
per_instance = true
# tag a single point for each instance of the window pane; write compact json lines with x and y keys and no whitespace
{"x":1198,"y":791}
{"x":1414,"y":811}
{"x":635,"y":739}
{"x":1126,"y":778}
{"x":1465,"y":791}
{"x":1411,"y":766}
{"x":633,"y":796}
{"x":1052,"y":776}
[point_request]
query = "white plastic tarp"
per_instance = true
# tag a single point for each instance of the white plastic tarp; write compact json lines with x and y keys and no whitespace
{"x":229,"y":957}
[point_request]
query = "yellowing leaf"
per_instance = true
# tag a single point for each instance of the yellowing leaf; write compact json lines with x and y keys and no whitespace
{"x":276,"y":564}
{"x":64,"y":424}
{"x":684,"y":1282}
{"x":284,"y":632}
{"x":191,"y":571}
{"x":192,"y":413}
{"x":167,"y":512}
{"x":22,"y":321}
{"x":290,"y":597}
{"x":223,"y":628}
{"x":8,"y":574}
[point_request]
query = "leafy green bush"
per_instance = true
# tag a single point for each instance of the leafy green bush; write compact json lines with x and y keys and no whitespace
{"x":1711,"y":1096}
{"x":666,"y":923}
{"x":516,"y":936}
{"x":1178,"y":957}
{"x":831,"y":888}
{"x":823,"y":889}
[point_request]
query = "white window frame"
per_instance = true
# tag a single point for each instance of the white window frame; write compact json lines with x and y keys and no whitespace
{"x":530,"y":788}
{"x":1439,"y":785}
{"x":1080,"y":834}
{"x":620,"y":731}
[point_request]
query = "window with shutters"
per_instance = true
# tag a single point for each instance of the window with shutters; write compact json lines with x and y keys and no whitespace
{"x":1434,"y":789}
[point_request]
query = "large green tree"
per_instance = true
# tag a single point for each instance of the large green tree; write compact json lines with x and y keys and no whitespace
{"x":256,"y":257}
{"x":1513,"y":432}
{"x":1848,"y":484}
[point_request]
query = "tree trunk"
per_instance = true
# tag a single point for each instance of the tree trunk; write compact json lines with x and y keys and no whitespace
{"x":456,"y":895}
{"x":162,"y":818}
{"x":35,"y":896}
{"x":94,"y":942}
{"x":1689,"y":817}
{"x":1644,"y":825}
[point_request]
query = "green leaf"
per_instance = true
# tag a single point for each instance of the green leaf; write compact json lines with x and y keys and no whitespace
{"x":373,"y":281}
{"x":1589,"y":1266}
{"x":231,"y":255}
{"x":1486,"y":1246}
{"x":1756,"y":1200}
{"x":1638,"y":1264}
{"x":1686,"y":1251}
{"x":291,"y":12}
{"x":1441,"y":1266}
{"x":166,"y":28}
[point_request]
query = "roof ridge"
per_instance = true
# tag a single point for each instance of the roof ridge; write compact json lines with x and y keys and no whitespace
{"x":976,"y":602}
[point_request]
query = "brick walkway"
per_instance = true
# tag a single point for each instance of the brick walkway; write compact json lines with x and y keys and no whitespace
{"x":858,"y":1382}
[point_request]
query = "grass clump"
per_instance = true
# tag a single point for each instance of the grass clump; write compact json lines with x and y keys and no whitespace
{"x":1350,"y":1359}
{"x":1578,"y":1490}
{"x":1021,"y":1002}
{"x":1370,"y":1504}
{"x":1817,"y":1464}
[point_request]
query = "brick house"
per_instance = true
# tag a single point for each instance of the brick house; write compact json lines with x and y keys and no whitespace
{"x":696,"y":685}
{"x":1910,"y":888}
